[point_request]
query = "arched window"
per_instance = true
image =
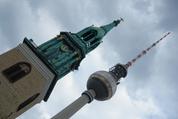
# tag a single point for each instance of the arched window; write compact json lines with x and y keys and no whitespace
{"x":17,"y":71}
{"x":27,"y":102}
{"x":89,"y":35}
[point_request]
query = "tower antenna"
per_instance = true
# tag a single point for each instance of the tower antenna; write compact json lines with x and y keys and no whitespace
{"x":144,"y":52}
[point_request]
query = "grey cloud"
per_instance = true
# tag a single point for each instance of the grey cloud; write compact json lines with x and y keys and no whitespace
{"x":155,"y":74}
{"x":71,"y":14}
{"x":16,"y":21}
{"x":168,"y":14}
{"x":31,"y":114}
{"x":142,"y":6}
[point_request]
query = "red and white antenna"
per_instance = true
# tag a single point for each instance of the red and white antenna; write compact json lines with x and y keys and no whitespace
{"x":144,"y":52}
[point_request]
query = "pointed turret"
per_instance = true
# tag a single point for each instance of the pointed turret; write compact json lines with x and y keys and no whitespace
{"x":110,"y":26}
{"x":92,"y":35}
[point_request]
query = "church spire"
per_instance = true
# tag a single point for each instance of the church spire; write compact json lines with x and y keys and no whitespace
{"x":65,"y":52}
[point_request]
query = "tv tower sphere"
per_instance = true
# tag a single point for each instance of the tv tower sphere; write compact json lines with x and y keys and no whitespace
{"x":105,"y":83}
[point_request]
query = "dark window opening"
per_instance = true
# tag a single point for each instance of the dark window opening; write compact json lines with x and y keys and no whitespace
{"x":86,"y":34}
{"x":17,"y":71}
{"x":27,"y":102}
{"x":94,"y":46}
{"x":94,"y":41}
{"x":89,"y":35}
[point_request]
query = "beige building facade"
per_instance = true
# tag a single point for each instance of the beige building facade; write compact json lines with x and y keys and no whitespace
{"x":24,"y":81}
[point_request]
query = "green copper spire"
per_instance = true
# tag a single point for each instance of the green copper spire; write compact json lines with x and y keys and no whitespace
{"x":65,"y":52}
{"x":110,"y":26}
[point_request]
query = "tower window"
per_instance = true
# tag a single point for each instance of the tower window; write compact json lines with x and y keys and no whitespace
{"x":89,"y":35}
{"x":27,"y":102}
{"x":17,"y":71}
{"x":94,"y":41}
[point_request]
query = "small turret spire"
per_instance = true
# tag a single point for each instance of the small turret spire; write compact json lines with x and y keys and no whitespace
{"x":110,"y":26}
{"x":92,"y":35}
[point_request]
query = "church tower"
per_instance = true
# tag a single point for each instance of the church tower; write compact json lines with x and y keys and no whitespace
{"x":28,"y":73}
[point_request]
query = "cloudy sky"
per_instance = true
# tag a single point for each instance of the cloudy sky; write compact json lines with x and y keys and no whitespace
{"x":148,"y":92}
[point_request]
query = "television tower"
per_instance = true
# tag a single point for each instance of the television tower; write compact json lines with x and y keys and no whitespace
{"x":102,"y":85}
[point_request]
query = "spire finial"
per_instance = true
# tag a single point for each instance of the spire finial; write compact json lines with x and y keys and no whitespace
{"x":118,"y":21}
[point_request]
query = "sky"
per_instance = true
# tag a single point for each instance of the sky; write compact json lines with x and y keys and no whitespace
{"x":150,"y":89}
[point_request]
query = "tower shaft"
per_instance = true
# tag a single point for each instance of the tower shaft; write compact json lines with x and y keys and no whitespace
{"x":70,"y":110}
